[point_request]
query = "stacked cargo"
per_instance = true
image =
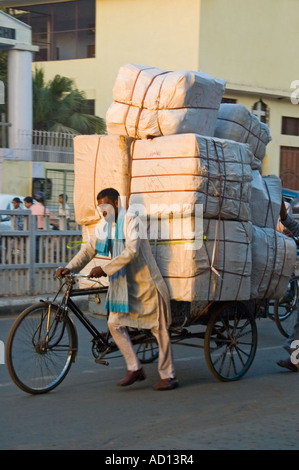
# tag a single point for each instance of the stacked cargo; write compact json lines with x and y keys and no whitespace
{"x":150,"y":102}
{"x":190,"y":166}
{"x":273,"y":254}
{"x":235,"y":122}
{"x":100,"y":161}
{"x":180,"y":178}
{"x":178,"y":168}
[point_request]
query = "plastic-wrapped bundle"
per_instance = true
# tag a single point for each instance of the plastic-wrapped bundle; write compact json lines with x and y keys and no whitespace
{"x":150,"y":102}
{"x":174,"y":173}
{"x":219,"y":268}
{"x":265,"y":200}
{"x":100,"y":162}
{"x":235,"y":122}
{"x":273,"y":260}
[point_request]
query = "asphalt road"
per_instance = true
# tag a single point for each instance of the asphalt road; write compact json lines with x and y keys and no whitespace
{"x":88,"y":411}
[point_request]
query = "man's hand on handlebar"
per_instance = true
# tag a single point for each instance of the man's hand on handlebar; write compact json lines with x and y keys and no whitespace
{"x":61,"y":272}
{"x":97,"y":272}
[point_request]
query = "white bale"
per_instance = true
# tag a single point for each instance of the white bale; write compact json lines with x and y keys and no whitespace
{"x":174,"y":173}
{"x":100,"y":162}
{"x":265,"y":200}
{"x":219,"y":270}
{"x":235,"y":122}
{"x":273,"y":263}
{"x":150,"y":102}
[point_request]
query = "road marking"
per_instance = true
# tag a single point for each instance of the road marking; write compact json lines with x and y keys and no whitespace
{"x":6,"y":384}
{"x":182,"y":359}
{"x":269,"y":348}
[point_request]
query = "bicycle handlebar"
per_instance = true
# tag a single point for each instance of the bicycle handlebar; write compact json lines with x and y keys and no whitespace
{"x":73,"y":276}
{"x":86,"y":276}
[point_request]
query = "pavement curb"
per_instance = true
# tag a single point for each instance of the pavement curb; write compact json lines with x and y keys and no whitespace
{"x":15,"y":305}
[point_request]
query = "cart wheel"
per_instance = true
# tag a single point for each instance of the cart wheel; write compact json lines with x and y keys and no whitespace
{"x":147,"y":352}
{"x":145,"y":345}
{"x":230,"y":341}
{"x":286,"y":309}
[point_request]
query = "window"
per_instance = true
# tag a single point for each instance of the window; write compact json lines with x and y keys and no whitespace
{"x":289,"y":167}
{"x":91,"y":107}
{"x":290,"y":125}
{"x":61,"y":30}
{"x":229,"y":100}
{"x":261,"y":111}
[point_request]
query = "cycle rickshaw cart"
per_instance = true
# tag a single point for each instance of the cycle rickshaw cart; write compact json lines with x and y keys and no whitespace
{"x":43,"y":341}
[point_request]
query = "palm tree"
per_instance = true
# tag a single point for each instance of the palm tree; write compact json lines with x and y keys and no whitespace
{"x":59,"y":106}
{"x":3,"y":76}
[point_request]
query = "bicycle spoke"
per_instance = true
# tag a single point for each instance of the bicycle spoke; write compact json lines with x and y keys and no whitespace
{"x":40,"y":349}
{"x":230,"y":343}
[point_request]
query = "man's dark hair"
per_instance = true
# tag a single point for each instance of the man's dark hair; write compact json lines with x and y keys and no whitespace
{"x":39,"y":197}
{"x":28,"y":199}
{"x":108,"y":192}
{"x":17,"y":199}
{"x":64,"y":197}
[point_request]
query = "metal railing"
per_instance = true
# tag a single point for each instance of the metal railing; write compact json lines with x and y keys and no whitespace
{"x":30,"y":257}
{"x":3,"y":136}
{"x":48,"y":146}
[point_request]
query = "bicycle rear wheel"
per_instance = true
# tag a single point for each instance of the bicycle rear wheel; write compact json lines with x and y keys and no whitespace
{"x":286,"y":309}
{"x":40,"y":348}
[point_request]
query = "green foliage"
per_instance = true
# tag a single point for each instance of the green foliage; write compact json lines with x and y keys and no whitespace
{"x":3,"y":66}
{"x":3,"y":78}
{"x":59,"y":106}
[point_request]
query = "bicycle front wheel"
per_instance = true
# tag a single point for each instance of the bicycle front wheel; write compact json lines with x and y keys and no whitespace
{"x":40,"y":348}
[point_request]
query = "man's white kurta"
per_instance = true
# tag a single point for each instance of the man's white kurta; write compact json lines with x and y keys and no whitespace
{"x":143,"y":276}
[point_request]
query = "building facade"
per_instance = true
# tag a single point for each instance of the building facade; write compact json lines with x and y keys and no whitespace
{"x":252,"y":45}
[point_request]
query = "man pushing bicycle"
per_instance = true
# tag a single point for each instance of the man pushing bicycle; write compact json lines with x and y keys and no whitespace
{"x":137,"y":296}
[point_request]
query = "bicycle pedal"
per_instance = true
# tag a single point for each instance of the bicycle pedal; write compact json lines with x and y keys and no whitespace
{"x":99,"y":361}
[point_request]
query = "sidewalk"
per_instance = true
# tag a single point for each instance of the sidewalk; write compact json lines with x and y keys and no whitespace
{"x":15,"y":305}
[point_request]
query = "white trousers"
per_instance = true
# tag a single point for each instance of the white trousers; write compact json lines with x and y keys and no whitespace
{"x":122,"y":339}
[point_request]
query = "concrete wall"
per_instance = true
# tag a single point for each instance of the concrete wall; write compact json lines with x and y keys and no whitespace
{"x":164,"y":34}
{"x":252,"y":45}
{"x":17,"y":175}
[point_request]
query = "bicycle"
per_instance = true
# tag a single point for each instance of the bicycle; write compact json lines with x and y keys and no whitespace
{"x":286,"y":308}
{"x":43,"y":342}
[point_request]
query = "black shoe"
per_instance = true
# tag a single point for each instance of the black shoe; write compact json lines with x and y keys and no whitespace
{"x":288,"y":365}
{"x":166,"y":384}
{"x":131,"y":377}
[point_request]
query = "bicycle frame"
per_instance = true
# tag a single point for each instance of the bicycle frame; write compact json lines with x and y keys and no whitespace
{"x":99,"y":339}
{"x":101,"y":344}
{"x":80,"y":315}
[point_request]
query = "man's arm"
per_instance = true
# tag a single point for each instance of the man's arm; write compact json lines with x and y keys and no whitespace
{"x":288,"y":221}
{"x":80,"y":259}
